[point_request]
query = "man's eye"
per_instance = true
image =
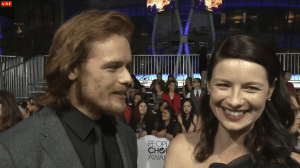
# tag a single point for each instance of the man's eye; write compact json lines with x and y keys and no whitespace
{"x":222,"y":85}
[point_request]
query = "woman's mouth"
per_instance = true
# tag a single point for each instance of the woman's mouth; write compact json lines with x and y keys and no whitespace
{"x":234,"y":116}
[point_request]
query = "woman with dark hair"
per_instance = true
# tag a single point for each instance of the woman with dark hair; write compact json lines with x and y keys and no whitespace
{"x":187,"y":87}
{"x":142,"y":119}
{"x":169,"y":127}
{"x":245,"y":113}
{"x":187,"y":116}
{"x":132,"y":90}
{"x":171,"y":94}
{"x":136,"y":98}
{"x":171,"y":78}
{"x":10,"y":114}
{"x":157,"y":116}
{"x":31,"y":107}
{"x":157,"y":96}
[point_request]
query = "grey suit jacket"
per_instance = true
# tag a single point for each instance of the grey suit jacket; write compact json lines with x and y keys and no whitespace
{"x":42,"y":142}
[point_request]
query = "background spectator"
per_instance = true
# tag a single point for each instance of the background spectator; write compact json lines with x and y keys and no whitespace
{"x":136,"y":98}
{"x":187,"y":87}
{"x":187,"y":116}
{"x":157,"y":96}
{"x":196,"y":95}
{"x":157,"y":116}
{"x":143,"y":120}
{"x":169,"y":127}
{"x":10,"y":114}
{"x":31,"y":108}
{"x":203,"y":62}
{"x":171,"y":78}
{"x":171,"y":94}
{"x":159,"y":81}
{"x":287,"y":77}
{"x":132,"y":90}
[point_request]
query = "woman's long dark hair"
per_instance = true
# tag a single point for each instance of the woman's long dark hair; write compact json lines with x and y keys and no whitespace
{"x":10,"y":114}
{"x":137,"y":115}
{"x":187,"y":122}
{"x":269,"y":134}
{"x":167,"y":90}
{"x":171,"y":110}
{"x":186,"y":86}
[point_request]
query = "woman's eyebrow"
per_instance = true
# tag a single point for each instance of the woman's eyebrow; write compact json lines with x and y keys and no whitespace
{"x":247,"y":83}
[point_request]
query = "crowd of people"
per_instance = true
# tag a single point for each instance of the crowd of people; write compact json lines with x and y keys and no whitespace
{"x":246,"y":116}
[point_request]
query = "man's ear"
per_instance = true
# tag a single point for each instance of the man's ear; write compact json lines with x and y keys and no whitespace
{"x":73,"y":74}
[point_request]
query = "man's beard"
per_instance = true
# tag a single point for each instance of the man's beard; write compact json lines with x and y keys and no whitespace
{"x":94,"y":106}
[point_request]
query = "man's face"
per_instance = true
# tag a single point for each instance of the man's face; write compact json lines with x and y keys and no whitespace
{"x":159,"y":77}
{"x":100,"y":86}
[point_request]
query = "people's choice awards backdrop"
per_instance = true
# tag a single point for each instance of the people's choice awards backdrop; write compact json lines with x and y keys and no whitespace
{"x":152,"y":151}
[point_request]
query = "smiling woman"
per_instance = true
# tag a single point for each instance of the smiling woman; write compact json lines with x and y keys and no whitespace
{"x":245,"y":113}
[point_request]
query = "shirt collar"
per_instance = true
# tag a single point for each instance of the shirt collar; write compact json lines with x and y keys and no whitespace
{"x":78,"y":122}
{"x":196,"y":90}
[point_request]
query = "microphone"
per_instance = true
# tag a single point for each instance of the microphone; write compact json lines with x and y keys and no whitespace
{"x":218,"y":165}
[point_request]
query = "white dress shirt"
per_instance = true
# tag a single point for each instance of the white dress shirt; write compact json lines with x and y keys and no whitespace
{"x":195,"y":92}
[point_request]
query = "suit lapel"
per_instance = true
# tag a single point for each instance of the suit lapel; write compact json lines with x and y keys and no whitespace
{"x":56,"y":142}
{"x":121,"y":140}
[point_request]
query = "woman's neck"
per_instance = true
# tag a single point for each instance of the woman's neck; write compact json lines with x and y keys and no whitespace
{"x":171,"y":92}
{"x":229,"y":145}
{"x":187,"y":115}
{"x":167,"y":122}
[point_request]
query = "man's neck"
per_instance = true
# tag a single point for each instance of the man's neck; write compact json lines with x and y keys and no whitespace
{"x":229,"y":145}
{"x":197,"y":88}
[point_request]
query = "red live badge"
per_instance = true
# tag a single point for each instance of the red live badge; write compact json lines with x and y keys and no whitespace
{"x":6,"y":3}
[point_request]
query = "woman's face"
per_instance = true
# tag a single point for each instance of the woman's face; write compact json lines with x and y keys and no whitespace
{"x":157,"y":87}
{"x":238,"y":86}
{"x":136,"y":99}
{"x":143,"y":108}
{"x":163,"y":106}
{"x":172,"y":87}
{"x":188,"y":81}
{"x":187,"y":107}
{"x":30,"y":107}
{"x":165,"y":115}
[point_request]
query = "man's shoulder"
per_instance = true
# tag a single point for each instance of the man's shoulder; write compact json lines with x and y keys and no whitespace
{"x":27,"y":127}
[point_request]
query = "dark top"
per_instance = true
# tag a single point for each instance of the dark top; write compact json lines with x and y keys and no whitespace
{"x":80,"y":130}
{"x":202,"y":59}
{"x":173,"y":128}
{"x":145,"y":125}
{"x":246,"y":162}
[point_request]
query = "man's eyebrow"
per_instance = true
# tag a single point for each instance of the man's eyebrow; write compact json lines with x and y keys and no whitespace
{"x":247,"y":83}
{"x":116,"y":63}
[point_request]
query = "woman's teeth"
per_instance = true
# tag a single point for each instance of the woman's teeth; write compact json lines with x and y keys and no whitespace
{"x":234,"y":113}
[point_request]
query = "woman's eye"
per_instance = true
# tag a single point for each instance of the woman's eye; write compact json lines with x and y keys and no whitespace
{"x":253,"y":88}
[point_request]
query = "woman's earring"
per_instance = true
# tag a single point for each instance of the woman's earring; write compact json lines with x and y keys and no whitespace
{"x":208,"y":93}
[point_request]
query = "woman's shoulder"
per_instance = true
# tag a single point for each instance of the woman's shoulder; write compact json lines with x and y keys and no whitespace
{"x":296,"y":157}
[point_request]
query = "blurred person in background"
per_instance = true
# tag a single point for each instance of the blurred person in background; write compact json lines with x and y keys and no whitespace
{"x":196,"y":94}
{"x":171,"y":78}
{"x":136,"y":98}
{"x":142,"y":121}
{"x":157,"y":94}
{"x":159,"y":81}
{"x":145,"y":95}
{"x":10,"y":114}
{"x":157,"y":116}
{"x":188,"y":86}
{"x":169,"y":127}
{"x":202,"y":62}
{"x":187,"y":116}
{"x":171,"y":94}
{"x":287,"y":77}
{"x":31,"y":108}
{"x":133,"y":89}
